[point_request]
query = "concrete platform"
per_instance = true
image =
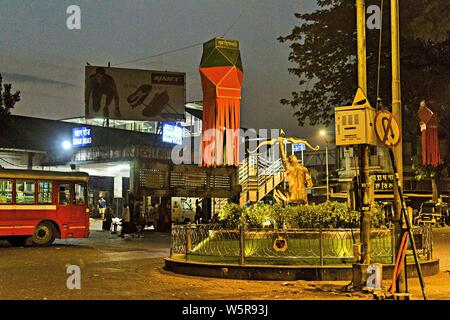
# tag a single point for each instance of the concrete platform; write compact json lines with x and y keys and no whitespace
{"x":285,"y":273}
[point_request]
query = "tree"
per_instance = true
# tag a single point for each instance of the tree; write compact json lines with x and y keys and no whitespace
{"x":7,"y":99}
{"x":324,"y":57}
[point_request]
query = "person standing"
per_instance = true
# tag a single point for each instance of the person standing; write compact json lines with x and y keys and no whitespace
{"x":102,"y":207}
{"x":126,"y":219}
{"x":108,"y":218}
{"x":140,"y":221}
{"x":198,"y":213}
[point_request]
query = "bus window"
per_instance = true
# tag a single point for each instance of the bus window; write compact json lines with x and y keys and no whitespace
{"x":45,"y":192}
{"x":6,"y":191}
{"x":64,"y":194}
{"x":25,"y":192}
{"x":80,"y":194}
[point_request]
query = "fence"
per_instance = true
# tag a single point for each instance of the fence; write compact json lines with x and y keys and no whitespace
{"x":211,"y":243}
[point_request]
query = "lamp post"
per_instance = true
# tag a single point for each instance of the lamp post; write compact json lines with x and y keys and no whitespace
{"x":323,"y":134}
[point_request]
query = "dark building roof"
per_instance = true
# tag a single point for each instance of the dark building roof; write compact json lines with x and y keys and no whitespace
{"x":27,"y":133}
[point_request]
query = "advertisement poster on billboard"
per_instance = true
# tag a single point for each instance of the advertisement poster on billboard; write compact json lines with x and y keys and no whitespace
{"x":132,"y":94}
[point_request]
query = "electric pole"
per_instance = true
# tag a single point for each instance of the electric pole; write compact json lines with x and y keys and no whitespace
{"x":364,"y":149}
{"x":397,"y":112}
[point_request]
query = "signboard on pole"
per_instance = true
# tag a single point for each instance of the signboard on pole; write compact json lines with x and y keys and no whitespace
{"x":131,"y":94}
{"x":387,"y":128}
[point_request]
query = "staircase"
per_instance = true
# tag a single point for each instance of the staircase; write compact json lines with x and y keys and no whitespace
{"x":258,"y":177}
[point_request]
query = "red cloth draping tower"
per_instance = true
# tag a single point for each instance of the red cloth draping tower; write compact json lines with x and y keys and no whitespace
{"x":221,"y":74}
{"x":430,"y":140}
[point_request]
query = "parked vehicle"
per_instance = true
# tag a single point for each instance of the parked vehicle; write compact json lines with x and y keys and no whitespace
{"x":42,"y":206}
{"x":182,"y":212}
{"x":435,"y":213}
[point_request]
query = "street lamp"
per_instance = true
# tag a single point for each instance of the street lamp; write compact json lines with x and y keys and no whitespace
{"x":323,"y":134}
{"x":66,"y":145}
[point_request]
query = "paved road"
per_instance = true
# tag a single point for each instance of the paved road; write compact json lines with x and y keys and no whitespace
{"x":113,"y":268}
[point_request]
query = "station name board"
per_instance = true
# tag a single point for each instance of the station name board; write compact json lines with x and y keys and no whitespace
{"x":172,"y":133}
{"x":81,"y":137}
{"x":382,"y":181}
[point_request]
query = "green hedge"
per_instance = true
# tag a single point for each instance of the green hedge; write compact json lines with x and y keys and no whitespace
{"x":329,"y":214}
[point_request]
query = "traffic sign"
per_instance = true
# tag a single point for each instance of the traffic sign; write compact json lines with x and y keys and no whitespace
{"x":387,"y":128}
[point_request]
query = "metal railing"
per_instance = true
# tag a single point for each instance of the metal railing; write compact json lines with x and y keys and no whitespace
{"x":211,"y":243}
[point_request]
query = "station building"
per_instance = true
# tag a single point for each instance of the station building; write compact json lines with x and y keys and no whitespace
{"x":123,"y":159}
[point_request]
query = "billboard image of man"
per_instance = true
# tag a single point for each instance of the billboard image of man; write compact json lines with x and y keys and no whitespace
{"x":98,"y":85}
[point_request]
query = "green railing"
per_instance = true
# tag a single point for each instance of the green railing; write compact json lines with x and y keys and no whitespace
{"x":211,"y":243}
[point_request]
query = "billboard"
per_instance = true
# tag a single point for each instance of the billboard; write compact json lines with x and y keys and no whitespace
{"x":172,"y":133}
{"x":131,"y":94}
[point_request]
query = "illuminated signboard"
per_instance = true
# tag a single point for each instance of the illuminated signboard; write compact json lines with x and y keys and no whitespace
{"x":299,"y":147}
{"x":172,"y":133}
{"x":81,"y":137}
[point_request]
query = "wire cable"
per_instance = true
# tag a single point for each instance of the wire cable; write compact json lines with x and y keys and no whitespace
{"x":241,"y":14}
{"x":379,"y":50}
{"x":159,"y":54}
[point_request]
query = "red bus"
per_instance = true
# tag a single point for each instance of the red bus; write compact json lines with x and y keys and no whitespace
{"x":43,"y":205}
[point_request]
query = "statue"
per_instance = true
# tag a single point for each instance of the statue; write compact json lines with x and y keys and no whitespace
{"x":296,"y":174}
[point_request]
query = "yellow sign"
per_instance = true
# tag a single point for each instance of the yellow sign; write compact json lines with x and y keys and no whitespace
{"x":387,"y":128}
{"x":360,"y":98}
{"x":280,"y":244}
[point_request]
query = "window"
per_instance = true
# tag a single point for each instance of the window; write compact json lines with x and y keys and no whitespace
{"x":64,"y":194}
{"x":80,"y":194}
{"x":45,"y":192}
{"x":6,"y":191}
{"x":25,"y":192}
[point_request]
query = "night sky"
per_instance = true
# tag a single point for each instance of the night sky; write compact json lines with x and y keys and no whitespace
{"x":45,"y":60}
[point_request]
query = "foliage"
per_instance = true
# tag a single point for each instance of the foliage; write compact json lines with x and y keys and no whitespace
{"x":230,"y":214}
{"x":330,"y":214}
{"x":323,"y":53}
{"x":258,"y":216}
{"x":7,"y":99}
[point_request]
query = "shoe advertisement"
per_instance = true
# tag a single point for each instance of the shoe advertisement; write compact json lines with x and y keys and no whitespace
{"x":132,"y":94}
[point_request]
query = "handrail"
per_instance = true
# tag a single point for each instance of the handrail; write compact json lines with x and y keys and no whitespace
{"x":256,"y":172}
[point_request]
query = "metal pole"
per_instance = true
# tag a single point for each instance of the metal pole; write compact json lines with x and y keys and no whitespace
{"x":321,"y":245}
{"x":408,"y":227}
{"x":241,"y":246}
{"x":328,"y":177}
{"x":361,"y":38}
{"x":397,"y":112}
{"x":364,"y":156}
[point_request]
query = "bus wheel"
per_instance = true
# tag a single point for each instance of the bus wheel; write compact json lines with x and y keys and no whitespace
{"x":44,"y":234}
{"x":17,"y":241}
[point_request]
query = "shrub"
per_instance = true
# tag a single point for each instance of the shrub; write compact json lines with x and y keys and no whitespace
{"x":258,"y":216}
{"x":230,"y":215}
{"x":330,"y":214}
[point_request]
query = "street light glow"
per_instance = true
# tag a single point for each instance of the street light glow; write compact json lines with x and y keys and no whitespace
{"x":322,"y":133}
{"x":66,"y":145}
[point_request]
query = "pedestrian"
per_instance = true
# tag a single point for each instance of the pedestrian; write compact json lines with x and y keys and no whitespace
{"x":164,"y":220}
{"x":198,"y":213}
{"x":101,"y":207}
{"x":140,"y":220}
{"x":125,"y":220}
{"x":106,"y":226}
